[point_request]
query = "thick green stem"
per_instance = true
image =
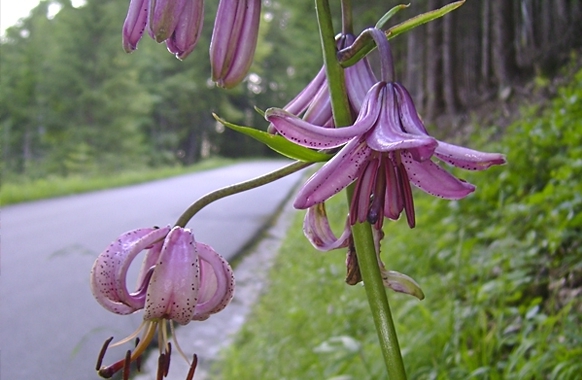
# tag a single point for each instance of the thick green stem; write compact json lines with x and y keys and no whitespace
{"x":238,"y":188}
{"x":361,"y":232}
{"x":378,"y":301}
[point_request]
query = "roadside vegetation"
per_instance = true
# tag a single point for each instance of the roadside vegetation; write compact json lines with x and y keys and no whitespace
{"x":16,"y":189}
{"x":501,"y":270}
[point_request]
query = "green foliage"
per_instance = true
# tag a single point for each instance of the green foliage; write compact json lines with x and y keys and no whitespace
{"x":501,"y":270}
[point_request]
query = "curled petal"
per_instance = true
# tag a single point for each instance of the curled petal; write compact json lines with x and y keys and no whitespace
{"x":335,"y":175}
{"x":216,"y":283}
{"x":466,"y":158}
{"x":317,"y":230}
{"x":173,"y":288}
{"x":434,"y":180}
{"x":313,"y":136}
{"x":134,"y":24}
{"x":108,"y":275}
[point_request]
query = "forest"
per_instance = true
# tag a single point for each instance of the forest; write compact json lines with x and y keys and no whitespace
{"x":74,"y":103}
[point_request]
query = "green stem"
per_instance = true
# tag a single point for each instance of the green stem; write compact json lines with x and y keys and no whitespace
{"x":238,"y":188}
{"x":378,"y":301}
{"x":361,"y":232}
{"x":334,"y":72}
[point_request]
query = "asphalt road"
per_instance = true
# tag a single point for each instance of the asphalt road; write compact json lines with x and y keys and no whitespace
{"x":50,"y":325}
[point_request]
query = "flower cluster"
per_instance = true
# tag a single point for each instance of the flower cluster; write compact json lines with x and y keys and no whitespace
{"x":179,"y":24}
{"x":384,"y":151}
{"x":180,"y":280}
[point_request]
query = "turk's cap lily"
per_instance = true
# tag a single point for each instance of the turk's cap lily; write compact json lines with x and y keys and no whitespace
{"x":234,"y":40}
{"x":180,"y":279}
{"x":387,"y":141}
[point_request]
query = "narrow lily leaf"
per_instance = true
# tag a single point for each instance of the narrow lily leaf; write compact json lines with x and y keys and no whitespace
{"x":388,"y":15}
{"x":260,"y":111}
{"x":364,"y":44}
{"x":278,"y":143}
{"x":422,"y":18}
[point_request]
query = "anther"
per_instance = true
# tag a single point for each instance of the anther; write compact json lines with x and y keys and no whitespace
{"x":192,"y":368}
{"x":102,"y":353}
{"x":161,"y":366}
{"x":167,"y":364}
{"x":138,"y":359}
{"x":126,"y":365}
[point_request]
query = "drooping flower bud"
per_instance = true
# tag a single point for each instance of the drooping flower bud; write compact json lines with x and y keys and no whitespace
{"x":234,"y":40}
{"x":187,"y":33}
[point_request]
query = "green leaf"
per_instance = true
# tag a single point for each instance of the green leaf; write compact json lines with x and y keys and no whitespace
{"x":388,"y":15}
{"x":278,"y":143}
{"x":364,"y":44}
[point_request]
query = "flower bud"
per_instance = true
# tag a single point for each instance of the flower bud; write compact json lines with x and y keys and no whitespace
{"x":234,"y":40}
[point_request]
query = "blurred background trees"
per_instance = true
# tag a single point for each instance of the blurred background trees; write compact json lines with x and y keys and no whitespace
{"x":74,"y":103}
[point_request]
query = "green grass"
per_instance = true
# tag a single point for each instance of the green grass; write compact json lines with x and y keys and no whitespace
{"x":19,"y":190}
{"x":501,"y":271}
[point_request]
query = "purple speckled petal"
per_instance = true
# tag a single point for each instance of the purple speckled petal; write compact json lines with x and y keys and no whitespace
{"x":108,"y":280}
{"x":335,"y":175}
{"x":317,"y":230}
{"x":134,"y":24}
{"x":216,"y":283}
{"x":434,"y":180}
{"x":314,"y":136}
{"x":466,"y":158}
{"x":173,"y":288}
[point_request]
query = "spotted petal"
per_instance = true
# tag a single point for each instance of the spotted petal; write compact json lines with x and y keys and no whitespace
{"x":434,"y":180}
{"x":173,"y":288}
{"x":216,"y":283}
{"x":317,"y":230}
{"x":109,"y":272}
{"x":335,"y":175}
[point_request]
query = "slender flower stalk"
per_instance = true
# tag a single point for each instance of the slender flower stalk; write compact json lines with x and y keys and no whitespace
{"x":234,"y":39}
{"x":180,"y":280}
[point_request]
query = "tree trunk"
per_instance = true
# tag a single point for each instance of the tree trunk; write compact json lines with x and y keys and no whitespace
{"x":433,"y":58}
{"x":448,"y":66}
{"x":504,"y":63}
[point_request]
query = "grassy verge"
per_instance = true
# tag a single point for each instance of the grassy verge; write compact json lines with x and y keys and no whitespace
{"x":501,"y":270}
{"x":23,"y":190}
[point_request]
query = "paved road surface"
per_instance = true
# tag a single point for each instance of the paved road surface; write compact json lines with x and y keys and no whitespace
{"x":50,"y":325}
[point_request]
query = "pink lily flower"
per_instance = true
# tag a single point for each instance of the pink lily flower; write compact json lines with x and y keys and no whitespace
{"x":181,"y":280}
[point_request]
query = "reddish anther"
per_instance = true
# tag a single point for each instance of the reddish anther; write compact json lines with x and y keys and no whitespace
{"x":126,"y":365}
{"x":102,"y":353}
{"x":192,"y":368}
